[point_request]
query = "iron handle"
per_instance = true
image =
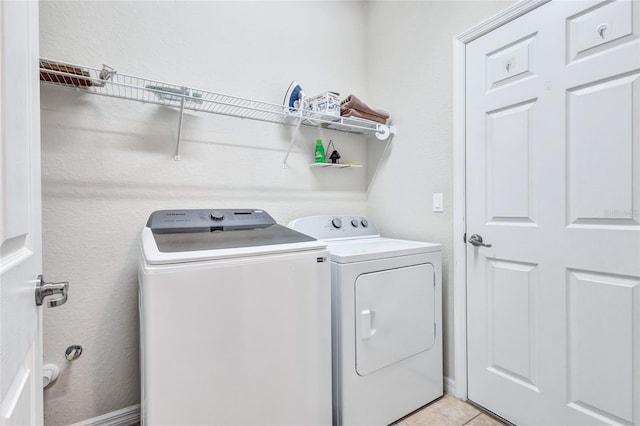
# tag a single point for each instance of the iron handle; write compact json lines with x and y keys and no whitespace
{"x":476,"y":241}
{"x":44,"y":289}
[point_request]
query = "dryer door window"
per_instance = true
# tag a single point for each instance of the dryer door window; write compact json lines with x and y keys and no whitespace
{"x":395,"y":316}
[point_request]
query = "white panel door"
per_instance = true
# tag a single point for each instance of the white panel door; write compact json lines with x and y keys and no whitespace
{"x":20,"y":228}
{"x":553,"y":184}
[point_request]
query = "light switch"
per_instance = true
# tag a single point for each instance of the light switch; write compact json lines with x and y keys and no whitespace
{"x":438,"y":202}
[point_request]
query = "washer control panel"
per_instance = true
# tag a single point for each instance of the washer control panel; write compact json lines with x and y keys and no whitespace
{"x":334,"y":226}
{"x":179,"y":221}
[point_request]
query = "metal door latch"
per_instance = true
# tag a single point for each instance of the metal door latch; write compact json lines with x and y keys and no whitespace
{"x":44,"y":289}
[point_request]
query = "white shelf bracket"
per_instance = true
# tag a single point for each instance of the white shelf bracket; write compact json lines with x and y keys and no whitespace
{"x":293,"y":139}
{"x":185,"y":90}
{"x":383,"y":132}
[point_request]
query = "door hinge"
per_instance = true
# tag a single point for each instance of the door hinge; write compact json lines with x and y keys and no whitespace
{"x":464,"y":238}
{"x":44,"y":289}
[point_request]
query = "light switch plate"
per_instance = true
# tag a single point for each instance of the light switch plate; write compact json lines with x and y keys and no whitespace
{"x":438,"y":202}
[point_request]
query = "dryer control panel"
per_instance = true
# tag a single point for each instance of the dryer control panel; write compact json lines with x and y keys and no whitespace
{"x":335,"y":226}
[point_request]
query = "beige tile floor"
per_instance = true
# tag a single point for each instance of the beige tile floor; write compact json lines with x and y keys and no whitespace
{"x":446,"y":411}
{"x":449,"y":411}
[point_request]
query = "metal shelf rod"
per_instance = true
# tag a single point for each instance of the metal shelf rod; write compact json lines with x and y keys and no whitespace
{"x":177,"y":154}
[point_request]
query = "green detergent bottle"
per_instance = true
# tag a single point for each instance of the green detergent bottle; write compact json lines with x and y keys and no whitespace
{"x":320,"y":155}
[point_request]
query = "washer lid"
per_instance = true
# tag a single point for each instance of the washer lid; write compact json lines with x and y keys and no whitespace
{"x":363,"y":249}
{"x":216,"y":240}
{"x":173,"y":236}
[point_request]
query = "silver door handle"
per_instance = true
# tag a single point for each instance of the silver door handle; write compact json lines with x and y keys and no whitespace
{"x":44,"y":289}
{"x":476,"y":241}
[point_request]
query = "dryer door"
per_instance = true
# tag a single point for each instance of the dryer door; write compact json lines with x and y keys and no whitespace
{"x":395,"y":316}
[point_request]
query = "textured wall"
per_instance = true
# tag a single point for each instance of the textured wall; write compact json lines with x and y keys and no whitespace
{"x":108,"y":163}
{"x":410,"y":67}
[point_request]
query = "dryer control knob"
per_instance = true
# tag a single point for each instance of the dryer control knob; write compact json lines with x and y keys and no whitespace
{"x":216,"y":215}
{"x":354,"y":223}
{"x":364,"y":223}
{"x":336,"y":222}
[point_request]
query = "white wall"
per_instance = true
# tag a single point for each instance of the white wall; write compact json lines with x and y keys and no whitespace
{"x":410,"y":68}
{"x":107,"y":163}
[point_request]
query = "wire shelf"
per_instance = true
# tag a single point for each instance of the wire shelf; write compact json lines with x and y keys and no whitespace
{"x":334,"y":165}
{"x":109,"y":82}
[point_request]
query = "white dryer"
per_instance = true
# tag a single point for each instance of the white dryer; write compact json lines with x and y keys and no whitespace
{"x":235,"y":316}
{"x":386,"y":320}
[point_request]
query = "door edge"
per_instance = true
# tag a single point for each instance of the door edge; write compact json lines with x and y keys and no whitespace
{"x":458,"y":384}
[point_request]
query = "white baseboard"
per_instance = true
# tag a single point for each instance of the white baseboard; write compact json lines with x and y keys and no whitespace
{"x":130,"y":415}
{"x":123,"y":417}
{"x":450,"y":386}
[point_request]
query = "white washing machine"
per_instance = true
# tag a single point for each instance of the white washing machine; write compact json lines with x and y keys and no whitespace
{"x":235,"y":316}
{"x":386,"y":320}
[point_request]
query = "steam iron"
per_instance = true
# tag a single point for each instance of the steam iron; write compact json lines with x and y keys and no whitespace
{"x":293,"y":99}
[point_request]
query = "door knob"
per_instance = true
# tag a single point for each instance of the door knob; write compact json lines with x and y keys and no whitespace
{"x":44,"y":289}
{"x":476,"y":241}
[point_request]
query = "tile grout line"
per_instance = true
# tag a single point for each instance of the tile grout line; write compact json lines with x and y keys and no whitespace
{"x":471,"y":419}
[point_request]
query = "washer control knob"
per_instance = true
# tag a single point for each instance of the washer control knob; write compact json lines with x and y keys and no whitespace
{"x":354,"y":223}
{"x":217,"y":215}
{"x":364,"y":223}
{"x":336,"y":222}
